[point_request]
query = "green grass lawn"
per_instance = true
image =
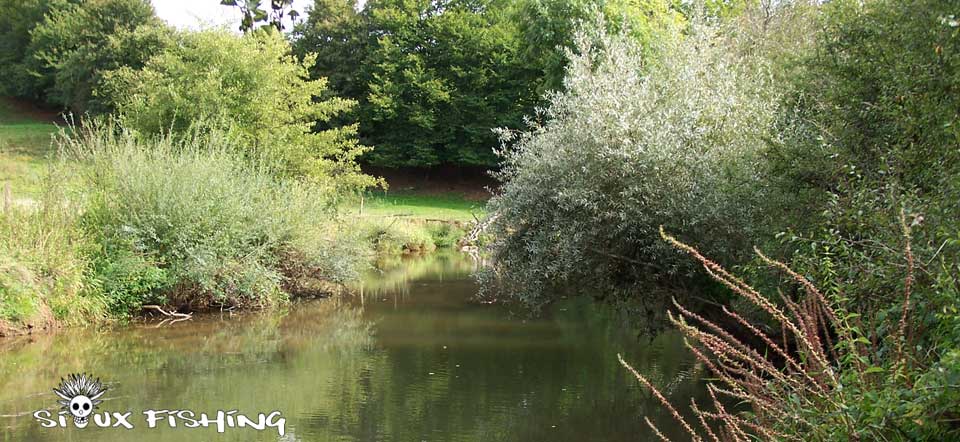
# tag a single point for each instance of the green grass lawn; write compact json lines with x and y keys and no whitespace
{"x":25,"y":150}
{"x":453,"y":207}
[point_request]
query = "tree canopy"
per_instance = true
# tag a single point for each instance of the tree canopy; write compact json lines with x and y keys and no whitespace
{"x":251,"y":85}
{"x":435,"y":78}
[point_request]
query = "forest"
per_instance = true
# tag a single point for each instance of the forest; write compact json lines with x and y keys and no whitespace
{"x":775,"y":181}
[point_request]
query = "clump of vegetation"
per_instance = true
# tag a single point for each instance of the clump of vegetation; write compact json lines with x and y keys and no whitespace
{"x":445,"y":234}
{"x":254,"y":87}
{"x":631,"y":145}
{"x":827,"y":377}
{"x":45,"y":266}
{"x":191,"y":222}
{"x":394,"y":235}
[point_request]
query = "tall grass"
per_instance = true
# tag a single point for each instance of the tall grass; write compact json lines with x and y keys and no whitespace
{"x":44,"y":266}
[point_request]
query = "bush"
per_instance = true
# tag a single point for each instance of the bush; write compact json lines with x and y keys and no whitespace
{"x":190,"y":222}
{"x":874,"y":129}
{"x":630,"y":146}
{"x":252,"y":86}
{"x":445,"y":235}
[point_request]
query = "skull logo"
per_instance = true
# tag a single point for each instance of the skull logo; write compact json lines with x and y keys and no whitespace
{"x":80,"y":395}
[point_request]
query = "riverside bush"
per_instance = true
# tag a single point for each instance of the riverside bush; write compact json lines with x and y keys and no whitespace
{"x":629,"y":146}
{"x":869,"y":130}
{"x":192,"y":223}
{"x":874,"y":131}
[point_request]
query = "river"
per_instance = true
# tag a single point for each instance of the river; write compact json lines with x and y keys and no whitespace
{"x":410,"y":356}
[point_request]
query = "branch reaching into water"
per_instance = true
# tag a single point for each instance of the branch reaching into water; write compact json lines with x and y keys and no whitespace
{"x":170,"y":314}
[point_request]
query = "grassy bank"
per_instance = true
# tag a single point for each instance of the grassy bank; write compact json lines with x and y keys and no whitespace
{"x":444,"y":207}
{"x":103,"y":223}
{"x":25,"y":149}
{"x":405,"y":222}
{"x":191,"y":224}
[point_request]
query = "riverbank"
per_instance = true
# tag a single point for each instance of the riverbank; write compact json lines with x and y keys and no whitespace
{"x":109,"y":225}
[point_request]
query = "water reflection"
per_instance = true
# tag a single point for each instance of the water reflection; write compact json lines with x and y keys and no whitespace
{"x":411,"y":359}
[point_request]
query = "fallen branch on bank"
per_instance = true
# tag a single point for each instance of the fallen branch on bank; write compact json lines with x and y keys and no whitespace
{"x":166,"y":313}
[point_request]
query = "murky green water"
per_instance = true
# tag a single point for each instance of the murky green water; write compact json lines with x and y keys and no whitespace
{"x":412,"y":359}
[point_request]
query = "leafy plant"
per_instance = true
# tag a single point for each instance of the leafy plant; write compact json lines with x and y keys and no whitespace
{"x":253,"y":12}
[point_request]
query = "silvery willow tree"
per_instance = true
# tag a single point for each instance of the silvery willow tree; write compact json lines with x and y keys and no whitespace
{"x":634,"y":143}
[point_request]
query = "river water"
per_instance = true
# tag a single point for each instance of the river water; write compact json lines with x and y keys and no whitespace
{"x":411,"y":356}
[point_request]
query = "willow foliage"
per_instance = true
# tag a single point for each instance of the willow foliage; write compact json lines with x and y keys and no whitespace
{"x":628,"y":147}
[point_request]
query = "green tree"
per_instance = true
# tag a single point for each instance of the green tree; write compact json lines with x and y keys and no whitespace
{"x":441,"y":76}
{"x":253,"y":86}
{"x":17,"y":19}
{"x":335,"y":31}
{"x":547,"y":28}
{"x":76,"y":44}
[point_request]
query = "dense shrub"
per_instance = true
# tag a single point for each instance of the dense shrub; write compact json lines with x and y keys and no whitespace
{"x":868,"y":131}
{"x":250,"y":85}
{"x":190,"y":222}
{"x":873,"y":130}
{"x":393,"y":236}
{"x":630,"y":146}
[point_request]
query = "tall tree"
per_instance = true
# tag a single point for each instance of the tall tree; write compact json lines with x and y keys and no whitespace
{"x":433,"y":78}
{"x":547,"y":28}
{"x":17,"y":20}
{"x":76,"y":44}
{"x":441,"y":76}
{"x":335,"y":31}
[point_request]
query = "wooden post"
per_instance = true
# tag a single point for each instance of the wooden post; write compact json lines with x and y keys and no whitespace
{"x":361,"y":205}
{"x":7,"y":197}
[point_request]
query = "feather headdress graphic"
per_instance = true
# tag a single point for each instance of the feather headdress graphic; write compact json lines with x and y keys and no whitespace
{"x":79,"y":396}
